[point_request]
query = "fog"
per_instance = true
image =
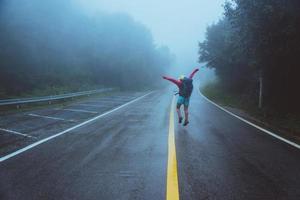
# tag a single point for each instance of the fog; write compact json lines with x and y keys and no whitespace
{"x":74,"y":43}
{"x":180,"y":25}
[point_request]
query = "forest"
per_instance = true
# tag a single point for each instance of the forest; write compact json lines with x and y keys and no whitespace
{"x":254,"y":50}
{"x":53,"y":44}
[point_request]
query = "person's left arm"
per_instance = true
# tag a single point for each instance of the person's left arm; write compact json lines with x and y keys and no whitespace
{"x":193,"y":73}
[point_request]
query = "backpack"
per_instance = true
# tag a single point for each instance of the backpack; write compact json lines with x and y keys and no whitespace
{"x":186,"y":87}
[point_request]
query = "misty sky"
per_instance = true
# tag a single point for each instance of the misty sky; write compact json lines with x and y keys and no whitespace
{"x":175,"y":23}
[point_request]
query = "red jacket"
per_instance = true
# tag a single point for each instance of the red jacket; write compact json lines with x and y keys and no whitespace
{"x":179,"y":82}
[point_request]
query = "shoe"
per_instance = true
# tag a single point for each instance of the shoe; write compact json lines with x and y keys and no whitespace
{"x":180,"y":120}
{"x":186,"y":123}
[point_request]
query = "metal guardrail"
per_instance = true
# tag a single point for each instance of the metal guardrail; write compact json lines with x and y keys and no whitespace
{"x":7,"y":102}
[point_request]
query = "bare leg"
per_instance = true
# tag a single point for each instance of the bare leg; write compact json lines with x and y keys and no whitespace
{"x":186,"y":115}
{"x":179,"y":113}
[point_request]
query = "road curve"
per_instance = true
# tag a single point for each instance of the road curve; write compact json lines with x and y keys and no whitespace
{"x":124,"y":155}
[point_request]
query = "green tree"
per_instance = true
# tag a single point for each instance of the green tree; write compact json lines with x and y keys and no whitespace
{"x":264,"y":39}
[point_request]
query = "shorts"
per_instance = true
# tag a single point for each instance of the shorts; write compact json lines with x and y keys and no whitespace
{"x":183,"y":100}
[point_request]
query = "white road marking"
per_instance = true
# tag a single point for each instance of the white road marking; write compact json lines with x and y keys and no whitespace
{"x":251,"y":124}
{"x":113,"y":100}
{"x":16,"y":133}
{"x":68,"y":130}
{"x":79,"y":110}
{"x":91,"y":105}
{"x":107,"y":101}
{"x":118,"y":97}
{"x":49,"y":117}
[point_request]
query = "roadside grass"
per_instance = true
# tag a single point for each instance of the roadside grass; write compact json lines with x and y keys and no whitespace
{"x":213,"y":91}
{"x":287,"y":124}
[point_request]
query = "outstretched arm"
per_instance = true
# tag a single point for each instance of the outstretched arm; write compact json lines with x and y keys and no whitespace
{"x":193,"y":73}
{"x":172,"y":80}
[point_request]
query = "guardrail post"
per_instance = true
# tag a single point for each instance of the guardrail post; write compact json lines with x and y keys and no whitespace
{"x":260,"y":98}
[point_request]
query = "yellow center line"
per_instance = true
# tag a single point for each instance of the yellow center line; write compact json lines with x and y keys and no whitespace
{"x":172,"y":177}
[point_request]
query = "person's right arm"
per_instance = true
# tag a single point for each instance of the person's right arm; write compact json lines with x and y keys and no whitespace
{"x":172,"y":80}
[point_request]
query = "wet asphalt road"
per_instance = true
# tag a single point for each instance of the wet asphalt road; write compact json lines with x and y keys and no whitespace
{"x":124,"y":154}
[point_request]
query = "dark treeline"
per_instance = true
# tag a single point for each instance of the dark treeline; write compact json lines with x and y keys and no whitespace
{"x":257,"y":38}
{"x":54,"y":44}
